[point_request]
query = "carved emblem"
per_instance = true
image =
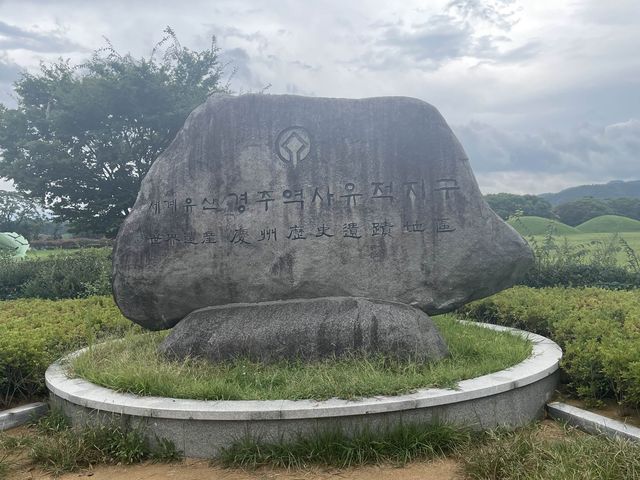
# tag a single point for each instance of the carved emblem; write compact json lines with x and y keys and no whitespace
{"x":293,"y":145}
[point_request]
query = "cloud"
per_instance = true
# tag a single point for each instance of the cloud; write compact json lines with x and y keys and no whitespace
{"x":239,"y":66}
{"x":499,"y":13}
{"x":542,"y":91}
{"x":9,"y":70}
{"x":463,"y":29}
{"x":6,"y":185}
{"x":528,"y":183}
{"x":620,"y":12}
{"x":16,"y":38}
{"x":535,"y":163}
{"x":439,"y":38}
{"x":9,"y":73}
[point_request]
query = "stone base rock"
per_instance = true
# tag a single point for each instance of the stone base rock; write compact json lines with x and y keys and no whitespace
{"x":310,"y":329}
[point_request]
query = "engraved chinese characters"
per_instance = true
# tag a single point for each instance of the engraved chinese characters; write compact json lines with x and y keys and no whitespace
{"x":265,"y":197}
{"x":320,"y":196}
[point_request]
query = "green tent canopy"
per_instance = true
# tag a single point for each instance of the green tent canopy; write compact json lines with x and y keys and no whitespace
{"x":14,"y":243}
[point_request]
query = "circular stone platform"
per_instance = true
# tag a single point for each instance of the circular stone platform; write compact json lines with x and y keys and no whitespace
{"x":508,"y":398}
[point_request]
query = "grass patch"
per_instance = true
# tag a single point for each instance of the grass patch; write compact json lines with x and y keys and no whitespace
{"x":4,"y":467}
{"x":134,"y":366}
{"x":399,"y":445}
{"x":526,"y":455}
{"x":53,"y":446}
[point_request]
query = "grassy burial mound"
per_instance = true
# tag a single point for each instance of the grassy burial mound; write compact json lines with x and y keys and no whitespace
{"x":609,"y":224}
{"x":527,"y":226}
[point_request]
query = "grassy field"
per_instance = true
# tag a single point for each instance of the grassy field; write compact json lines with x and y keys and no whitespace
{"x":593,"y":241}
{"x":590,"y":236}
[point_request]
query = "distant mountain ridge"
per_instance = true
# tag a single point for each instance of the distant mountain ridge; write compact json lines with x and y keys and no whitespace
{"x":613,"y":189}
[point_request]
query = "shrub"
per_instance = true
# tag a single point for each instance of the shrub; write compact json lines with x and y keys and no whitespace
{"x":65,"y":275}
{"x":577,"y":275}
{"x":598,"y":330}
{"x":75,"y":242}
{"x":34,"y":333}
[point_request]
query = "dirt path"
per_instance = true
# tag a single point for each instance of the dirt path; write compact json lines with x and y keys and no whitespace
{"x":192,"y":469}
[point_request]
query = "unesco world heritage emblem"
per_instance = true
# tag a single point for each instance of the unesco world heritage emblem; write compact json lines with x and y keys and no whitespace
{"x":293,"y":145}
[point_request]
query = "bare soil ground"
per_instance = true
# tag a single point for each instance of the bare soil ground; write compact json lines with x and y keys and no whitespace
{"x":193,"y":469}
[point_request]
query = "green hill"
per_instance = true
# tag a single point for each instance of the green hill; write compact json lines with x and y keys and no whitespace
{"x":609,"y":224}
{"x":614,"y":189}
{"x":526,"y":226}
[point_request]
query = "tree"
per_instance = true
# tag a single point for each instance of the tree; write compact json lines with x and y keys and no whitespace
{"x":579,"y":211}
{"x":82,"y":137}
{"x":507,"y":205}
{"x":20,"y":215}
{"x":625,"y":206}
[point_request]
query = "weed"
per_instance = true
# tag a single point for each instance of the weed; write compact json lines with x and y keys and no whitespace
{"x":400,"y":445}
{"x":57,"y":448}
{"x":54,"y":422}
{"x":526,"y":455}
{"x":582,"y":259}
{"x":62,"y":452}
{"x":4,"y":467}
{"x":117,"y":445}
{"x":633,"y":259}
{"x":165,"y":451}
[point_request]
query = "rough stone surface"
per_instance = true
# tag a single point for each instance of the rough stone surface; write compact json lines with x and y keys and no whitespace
{"x":306,"y":329}
{"x":267,"y":197}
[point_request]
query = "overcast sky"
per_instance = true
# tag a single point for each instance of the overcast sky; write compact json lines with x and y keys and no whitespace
{"x":542,"y":94}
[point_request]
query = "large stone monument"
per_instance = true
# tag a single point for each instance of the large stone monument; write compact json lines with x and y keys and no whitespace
{"x":285,"y":226}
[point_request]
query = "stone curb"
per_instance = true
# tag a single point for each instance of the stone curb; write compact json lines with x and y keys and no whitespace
{"x":592,"y":422}
{"x":15,"y":417}
{"x":541,"y":364}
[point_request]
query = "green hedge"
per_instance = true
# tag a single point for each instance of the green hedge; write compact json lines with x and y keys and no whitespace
{"x":73,"y":274}
{"x":598,"y":330}
{"x":577,"y":275}
{"x":34,"y":333}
